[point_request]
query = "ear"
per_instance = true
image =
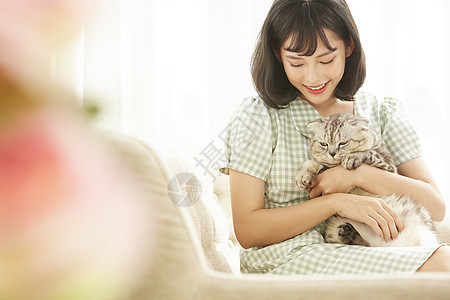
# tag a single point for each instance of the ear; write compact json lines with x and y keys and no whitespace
{"x":350,"y":47}
{"x":360,"y":121}
{"x":314,"y":125}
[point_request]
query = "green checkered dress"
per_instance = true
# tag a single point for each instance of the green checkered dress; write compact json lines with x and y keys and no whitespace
{"x":271,"y":144}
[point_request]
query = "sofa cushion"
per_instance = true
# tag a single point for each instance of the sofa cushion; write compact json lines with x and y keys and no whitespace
{"x":193,"y":192}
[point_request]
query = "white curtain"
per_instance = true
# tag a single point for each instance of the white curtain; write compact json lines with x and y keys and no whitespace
{"x":407,"y":45}
{"x":166,"y":69}
{"x":177,"y":69}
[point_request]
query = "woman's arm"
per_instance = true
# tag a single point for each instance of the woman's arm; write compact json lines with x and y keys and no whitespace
{"x":413,"y":179}
{"x":256,"y":226}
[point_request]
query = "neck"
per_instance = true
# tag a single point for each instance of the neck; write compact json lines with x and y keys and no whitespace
{"x":333,"y":106}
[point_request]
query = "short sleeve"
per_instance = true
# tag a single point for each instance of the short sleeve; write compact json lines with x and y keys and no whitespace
{"x":248,"y":143}
{"x":398,"y":134}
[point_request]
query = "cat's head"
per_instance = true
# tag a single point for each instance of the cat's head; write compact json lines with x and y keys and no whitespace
{"x":337,"y":135}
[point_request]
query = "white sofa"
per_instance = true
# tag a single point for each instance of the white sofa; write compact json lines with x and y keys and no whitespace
{"x":196,"y":253}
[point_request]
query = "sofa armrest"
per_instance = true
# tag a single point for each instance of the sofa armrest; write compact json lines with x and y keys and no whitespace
{"x":386,"y":286}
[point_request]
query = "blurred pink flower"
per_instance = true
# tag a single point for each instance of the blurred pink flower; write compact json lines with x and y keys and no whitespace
{"x":30,"y":172}
{"x":30,"y":31}
{"x":73,"y":221}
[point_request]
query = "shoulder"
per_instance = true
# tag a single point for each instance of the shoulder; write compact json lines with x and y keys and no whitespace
{"x":252,"y":105}
{"x":253,"y":110}
{"x":378,"y":106}
{"x":389,"y":118}
{"x":249,"y":139}
{"x":367,"y":98}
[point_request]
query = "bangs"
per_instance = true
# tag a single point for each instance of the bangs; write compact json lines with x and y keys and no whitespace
{"x":305,"y":42}
{"x":307,"y":25}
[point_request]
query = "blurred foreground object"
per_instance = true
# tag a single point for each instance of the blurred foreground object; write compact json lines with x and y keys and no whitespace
{"x":74,"y":223}
{"x":30,"y":32}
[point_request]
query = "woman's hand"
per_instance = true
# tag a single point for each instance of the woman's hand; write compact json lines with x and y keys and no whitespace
{"x":334,"y":180}
{"x":373,"y":212}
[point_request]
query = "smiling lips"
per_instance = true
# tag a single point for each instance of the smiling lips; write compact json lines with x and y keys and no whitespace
{"x":319,"y":89}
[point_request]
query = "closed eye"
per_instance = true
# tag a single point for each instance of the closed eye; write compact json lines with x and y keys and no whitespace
{"x":328,"y":62}
{"x":323,"y":144}
{"x":343,"y":143}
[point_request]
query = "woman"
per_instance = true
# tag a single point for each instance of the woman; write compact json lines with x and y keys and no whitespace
{"x":309,"y":63}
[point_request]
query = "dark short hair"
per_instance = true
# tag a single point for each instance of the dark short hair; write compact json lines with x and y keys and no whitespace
{"x":304,"y":20}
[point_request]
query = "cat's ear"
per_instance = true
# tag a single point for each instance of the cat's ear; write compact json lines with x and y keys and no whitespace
{"x":360,"y":121}
{"x":314,"y":125}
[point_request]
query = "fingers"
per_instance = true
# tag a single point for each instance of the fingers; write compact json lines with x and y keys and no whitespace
{"x":381,"y":226}
{"x":314,"y":191}
{"x":374,"y":226}
{"x":398,"y":223}
{"x":373,"y":212}
{"x":386,"y":224}
{"x":331,"y":181}
{"x":313,"y":184}
{"x":388,"y":221}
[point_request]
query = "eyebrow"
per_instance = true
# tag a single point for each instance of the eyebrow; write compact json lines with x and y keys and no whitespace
{"x":318,"y":56}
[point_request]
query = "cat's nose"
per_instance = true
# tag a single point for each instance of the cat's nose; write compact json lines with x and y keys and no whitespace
{"x":332,"y":154}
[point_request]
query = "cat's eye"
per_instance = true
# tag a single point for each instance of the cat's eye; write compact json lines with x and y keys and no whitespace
{"x":323,"y":144}
{"x":343,"y":143}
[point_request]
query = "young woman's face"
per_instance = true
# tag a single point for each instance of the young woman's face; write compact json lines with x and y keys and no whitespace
{"x":316,"y":76}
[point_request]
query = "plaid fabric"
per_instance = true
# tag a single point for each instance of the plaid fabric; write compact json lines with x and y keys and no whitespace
{"x":271,"y":144}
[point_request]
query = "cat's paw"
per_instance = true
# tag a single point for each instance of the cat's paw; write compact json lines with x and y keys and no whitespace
{"x":350,"y":236}
{"x":306,"y":174}
{"x":347,"y":233}
{"x":303,"y":179}
{"x":354,"y":160}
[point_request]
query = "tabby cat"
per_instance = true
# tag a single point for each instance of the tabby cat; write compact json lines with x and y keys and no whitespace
{"x":347,"y":140}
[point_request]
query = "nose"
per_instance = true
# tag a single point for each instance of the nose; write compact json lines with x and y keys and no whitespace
{"x":332,"y":150}
{"x":312,"y":74}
